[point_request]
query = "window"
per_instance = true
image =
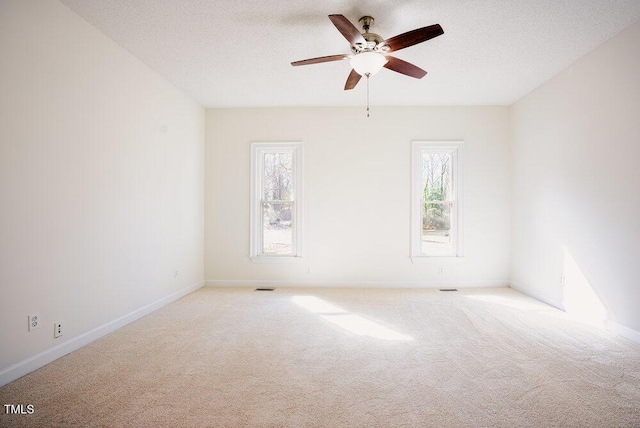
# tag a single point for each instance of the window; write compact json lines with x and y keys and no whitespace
{"x":436,"y":204}
{"x":276,"y":202}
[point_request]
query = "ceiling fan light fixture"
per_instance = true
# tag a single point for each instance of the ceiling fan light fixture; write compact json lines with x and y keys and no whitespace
{"x":368,"y":63}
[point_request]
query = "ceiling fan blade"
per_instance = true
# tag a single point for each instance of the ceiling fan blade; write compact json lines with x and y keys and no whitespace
{"x":320,"y":60}
{"x":413,"y":37}
{"x":352,"y":80}
{"x":348,"y":30}
{"x":404,"y":67}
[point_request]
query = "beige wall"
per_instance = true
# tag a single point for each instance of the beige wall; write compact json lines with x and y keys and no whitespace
{"x":101,"y":179}
{"x":576,"y":149}
{"x":357,"y":194}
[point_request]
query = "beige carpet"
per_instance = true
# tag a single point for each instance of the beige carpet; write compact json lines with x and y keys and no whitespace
{"x":341,"y":358}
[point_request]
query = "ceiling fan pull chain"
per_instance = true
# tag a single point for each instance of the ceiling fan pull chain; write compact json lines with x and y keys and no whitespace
{"x":367,"y":94}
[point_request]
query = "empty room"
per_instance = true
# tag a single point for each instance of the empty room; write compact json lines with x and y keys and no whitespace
{"x":319,"y":214}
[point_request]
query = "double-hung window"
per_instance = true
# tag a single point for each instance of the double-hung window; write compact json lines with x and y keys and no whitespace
{"x":276,"y":202}
{"x":436,"y":219}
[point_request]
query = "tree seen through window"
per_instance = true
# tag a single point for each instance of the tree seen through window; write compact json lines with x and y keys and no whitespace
{"x":436,"y":200}
{"x":277,"y":203}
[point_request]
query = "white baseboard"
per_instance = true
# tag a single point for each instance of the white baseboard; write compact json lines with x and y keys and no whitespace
{"x":538,"y":295}
{"x":45,"y":357}
{"x":623,"y":331}
{"x":354,"y":284}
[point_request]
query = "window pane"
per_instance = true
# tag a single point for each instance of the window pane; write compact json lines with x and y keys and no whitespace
{"x":436,"y":228}
{"x":436,"y":176}
{"x":278,"y":177}
{"x":277,"y":234}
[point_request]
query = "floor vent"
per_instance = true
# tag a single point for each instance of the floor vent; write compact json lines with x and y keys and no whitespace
{"x":264,"y":289}
{"x":448,"y":289}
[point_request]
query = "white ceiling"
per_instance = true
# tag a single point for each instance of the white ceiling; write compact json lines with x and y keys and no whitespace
{"x":238,"y":53}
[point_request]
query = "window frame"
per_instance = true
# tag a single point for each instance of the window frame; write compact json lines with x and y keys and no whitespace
{"x":418,"y":149}
{"x":258,"y":150}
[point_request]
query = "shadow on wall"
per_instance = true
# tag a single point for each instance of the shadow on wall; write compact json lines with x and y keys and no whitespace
{"x":578,"y":297}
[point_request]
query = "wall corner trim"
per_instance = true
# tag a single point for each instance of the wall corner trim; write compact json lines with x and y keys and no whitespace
{"x":47,"y":356}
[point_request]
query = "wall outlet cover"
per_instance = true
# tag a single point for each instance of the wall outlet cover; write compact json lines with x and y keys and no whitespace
{"x":34,"y":321}
{"x":57,"y":330}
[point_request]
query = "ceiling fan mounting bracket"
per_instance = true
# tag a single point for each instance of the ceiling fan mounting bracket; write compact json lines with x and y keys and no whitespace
{"x":367,"y":22}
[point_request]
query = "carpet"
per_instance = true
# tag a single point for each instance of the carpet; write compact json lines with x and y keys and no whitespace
{"x":234,"y":357}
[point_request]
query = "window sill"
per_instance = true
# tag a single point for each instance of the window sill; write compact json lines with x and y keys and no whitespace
{"x":276,"y":259}
{"x":436,"y":259}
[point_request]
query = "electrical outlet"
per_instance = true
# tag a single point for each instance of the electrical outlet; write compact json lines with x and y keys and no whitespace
{"x":57,"y":330}
{"x":34,"y":321}
{"x":441,"y":270}
{"x":175,"y":273}
{"x":561,"y":279}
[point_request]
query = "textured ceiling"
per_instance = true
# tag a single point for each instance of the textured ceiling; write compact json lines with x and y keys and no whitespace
{"x":238,"y":53}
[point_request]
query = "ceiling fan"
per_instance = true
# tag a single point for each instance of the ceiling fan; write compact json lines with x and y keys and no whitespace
{"x":370,"y":52}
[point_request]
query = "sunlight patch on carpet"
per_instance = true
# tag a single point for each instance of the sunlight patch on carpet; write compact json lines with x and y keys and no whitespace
{"x":355,"y":324}
{"x":316,"y":305}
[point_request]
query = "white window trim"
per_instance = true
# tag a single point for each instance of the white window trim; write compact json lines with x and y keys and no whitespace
{"x":457,"y":150}
{"x":255,"y":230}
